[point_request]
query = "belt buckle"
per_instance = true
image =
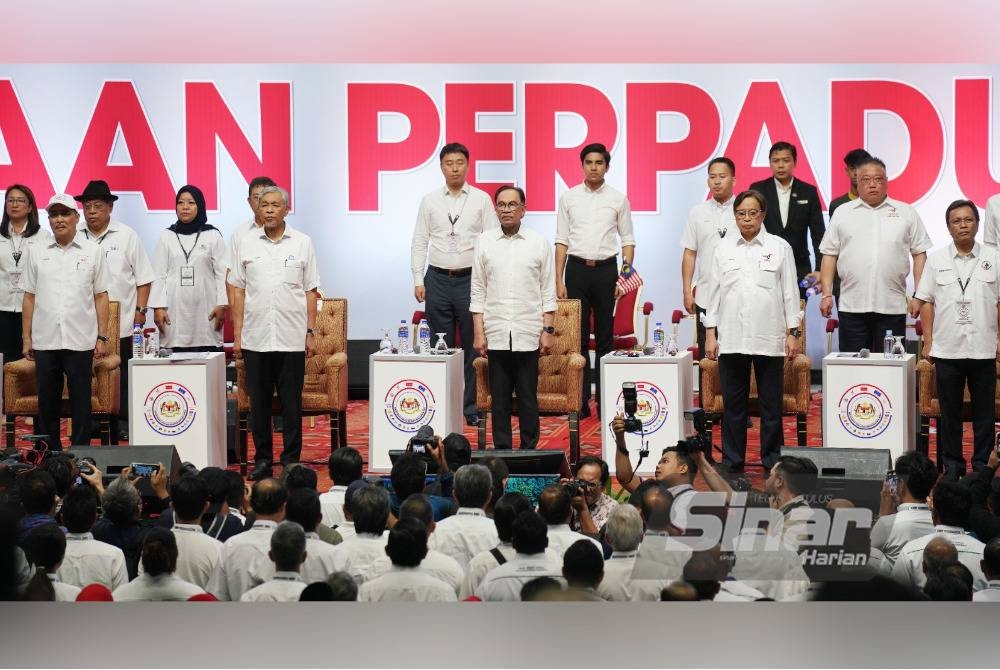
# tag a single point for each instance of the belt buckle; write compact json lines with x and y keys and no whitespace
{"x":590,"y":264}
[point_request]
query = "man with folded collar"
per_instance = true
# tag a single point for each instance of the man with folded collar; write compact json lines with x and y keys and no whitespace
{"x":792,"y":209}
{"x":130,"y":275}
{"x":448,"y":222}
{"x":591,"y":218}
{"x":65,"y":318}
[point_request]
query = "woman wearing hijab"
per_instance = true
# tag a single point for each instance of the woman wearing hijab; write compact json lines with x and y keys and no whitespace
{"x":20,"y":231}
{"x":189,"y":292}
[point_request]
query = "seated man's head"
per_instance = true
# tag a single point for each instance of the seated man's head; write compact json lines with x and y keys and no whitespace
{"x":38,"y":493}
{"x":541,"y":589}
{"x":473,"y":486}
{"x":939,"y":552}
{"x":236,"y":490}
{"x":352,"y":490}
{"x":949,"y":585}
{"x":500,"y":472}
{"x":917,"y":474}
{"x":159,"y":552}
{"x":624,"y":528}
{"x":346,"y":466}
{"x":655,"y":508}
{"x":122,"y":502}
{"x":791,"y":476}
{"x":583,"y":565}
{"x":636,"y":498}
{"x":990,"y":564}
{"x":45,"y":547}
{"x":704,"y":571}
{"x":218,"y":484}
{"x":299,"y":476}
{"x":267,"y":498}
{"x":457,"y":451}
{"x":189,"y":498}
{"x":594,"y":471}
{"x":530,"y":533}
{"x":554,"y":505}
{"x":951,"y":503}
{"x":676,"y":467}
{"x":370,"y":509}
{"x":407,"y":545}
{"x":79,"y":509}
{"x":63,"y":470}
{"x":304,"y":509}
{"x":343,"y":587}
{"x":288,"y":547}
{"x":408,"y":475}
{"x":508,"y":508}
{"x":418,"y":506}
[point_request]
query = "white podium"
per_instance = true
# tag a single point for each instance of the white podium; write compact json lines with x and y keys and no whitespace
{"x":868,"y":403}
{"x":406,"y":392}
{"x":664,"y":389}
{"x":181,"y":401}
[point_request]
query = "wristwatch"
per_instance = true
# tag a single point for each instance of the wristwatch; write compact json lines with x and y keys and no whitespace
{"x":141,"y":310}
{"x":795,"y":332}
{"x":551,"y":330}
{"x":103,"y":338}
{"x":310,"y":331}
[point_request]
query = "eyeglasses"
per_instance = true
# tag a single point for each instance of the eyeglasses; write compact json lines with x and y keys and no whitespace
{"x":958,"y":222}
{"x":878,"y":181}
{"x":508,"y":206}
{"x":746,"y":213}
{"x":17,"y":201}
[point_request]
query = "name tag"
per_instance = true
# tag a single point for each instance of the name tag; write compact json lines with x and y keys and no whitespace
{"x":14,"y":276}
{"x":963,"y":312}
{"x":187,"y":275}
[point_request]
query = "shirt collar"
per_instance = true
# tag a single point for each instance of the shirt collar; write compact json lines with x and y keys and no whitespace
{"x":600,"y":189}
{"x":287,"y":233}
{"x":53,"y":577}
{"x":264,"y":524}
{"x":446,"y":192}
{"x":758,"y":241}
{"x":80,"y":536}
{"x":559,"y":528}
{"x":189,"y":527}
{"x":519,"y":234}
{"x":976,"y":251}
{"x":113,"y":226}
{"x":912,"y":506}
{"x":286,"y":576}
{"x":623,"y":554}
{"x":955,"y":530}
{"x":54,"y":244}
{"x":777,"y":185}
{"x":859,"y":202}
{"x":312,"y":536}
{"x":471,"y":511}
{"x":797,"y":501}
{"x":728,"y":204}
{"x":337,"y":488}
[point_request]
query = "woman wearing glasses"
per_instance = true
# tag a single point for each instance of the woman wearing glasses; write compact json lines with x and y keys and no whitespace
{"x":189,"y":292}
{"x":20,"y":231}
{"x":752,"y":318}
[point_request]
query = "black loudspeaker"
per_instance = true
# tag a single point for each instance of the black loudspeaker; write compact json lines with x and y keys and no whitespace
{"x":852,"y":474}
{"x":112,"y":459}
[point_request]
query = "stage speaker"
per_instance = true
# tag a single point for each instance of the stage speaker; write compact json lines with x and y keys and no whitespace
{"x":112,"y":459}
{"x":519,"y":462}
{"x":852,"y":474}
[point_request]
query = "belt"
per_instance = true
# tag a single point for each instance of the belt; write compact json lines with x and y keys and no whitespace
{"x":610,"y":260}
{"x":460,"y":272}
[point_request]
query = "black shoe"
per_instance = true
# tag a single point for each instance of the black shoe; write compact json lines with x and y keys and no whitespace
{"x":123,"y":436}
{"x":471,"y":420}
{"x":261,"y":471}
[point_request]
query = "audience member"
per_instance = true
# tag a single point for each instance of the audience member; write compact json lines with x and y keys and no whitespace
{"x":345,"y":466}
{"x":583,"y":570}
{"x":408,"y":476}
{"x":346,"y":527}
{"x":198,"y":554}
{"x":905,"y":516}
{"x":157,"y":581}
{"x":469,"y":531}
{"x":660,"y":556}
{"x":507,"y":508}
{"x":762,"y":560}
{"x":679,"y":591}
{"x":37,"y":491}
{"x":501,"y":473}
{"x":938,"y":553}
{"x":124,"y":524}
{"x":45,"y":547}
{"x":542,"y":589}
{"x":88,"y":560}
{"x":590,"y":518}
{"x":624,"y":533}
{"x":343,"y":587}
{"x":555,"y":506}
{"x":297,"y":476}
{"x":236,"y":495}
{"x":991,"y":570}
{"x":950,"y":582}
{"x":530,"y":539}
{"x":317,"y":591}
{"x":369,"y":509}
{"x":304,"y":509}
{"x":406,"y":581}
{"x":218,"y":522}
{"x":788,"y":482}
{"x":287,"y":553}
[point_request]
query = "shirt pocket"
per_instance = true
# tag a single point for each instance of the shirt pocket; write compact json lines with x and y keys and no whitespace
{"x":986,"y":275}
{"x":945,"y":277}
{"x":293,"y":273}
{"x":767,"y":277}
{"x":730,"y":273}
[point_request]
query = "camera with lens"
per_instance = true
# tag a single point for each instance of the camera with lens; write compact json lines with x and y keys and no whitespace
{"x":702,"y":439}
{"x":576,"y":487}
{"x":630,"y":401}
{"x":424,"y":437}
{"x":86,"y":465}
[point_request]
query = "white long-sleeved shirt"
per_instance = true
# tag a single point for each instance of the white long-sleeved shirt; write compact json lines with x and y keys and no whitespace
{"x":244,"y":563}
{"x":437,"y":241}
{"x":892,"y":531}
{"x":283,"y":587}
{"x":753,"y":297}
{"x":147,"y":588}
{"x":909,"y":566}
{"x":504,"y":582}
{"x":513,"y":285}
{"x":588,"y":222}
{"x":708,"y":223}
{"x":90,"y":561}
{"x":464,"y":534}
{"x":400,"y":584}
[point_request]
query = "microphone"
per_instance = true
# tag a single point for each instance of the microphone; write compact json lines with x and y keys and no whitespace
{"x":864,"y":353}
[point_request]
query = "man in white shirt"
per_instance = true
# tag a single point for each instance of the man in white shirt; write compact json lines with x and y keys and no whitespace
{"x":469,"y":531}
{"x":45,"y":547}
{"x":157,"y":580}
{"x":131,"y":275}
{"x":513,"y":308}
{"x":530,"y":539}
{"x":275,"y":280}
{"x":868,"y":243}
{"x":950,"y":505}
{"x":357,"y":555}
{"x":244,"y":563}
{"x":198,"y":554}
{"x":590,"y":217}
{"x":448,"y":222}
{"x":303,"y":508}
{"x":660,"y":556}
{"x":506,"y":509}
{"x":345,"y":466}
{"x":555,"y":506}
{"x":910,"y":517}
{"x":65,"y":319}
{"x":958,"y":296}
{"x":624,"y":533}
{"x":288,"y":553}
{"x":254,"y":225}
{"x":406,"y":580}
{"x":991,"y":570}
{"x":752,"y":318}
{"x":88,"y":561}
{"x":708,"y":222}
{"x":788,"y":480}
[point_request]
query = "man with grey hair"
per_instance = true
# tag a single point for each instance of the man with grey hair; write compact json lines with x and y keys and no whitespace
{"x":275,"y":282}
{"x":125,"y":522}
{"x":288,"y":552}
{"x":469,"y":531}
{"x":624,"y":532}
{"x":343,"y":587}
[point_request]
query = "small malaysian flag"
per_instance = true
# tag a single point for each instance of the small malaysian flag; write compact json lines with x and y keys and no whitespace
{"x":629,"y":280}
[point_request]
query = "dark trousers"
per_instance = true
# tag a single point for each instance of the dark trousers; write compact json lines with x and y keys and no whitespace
{"x":866,"y":330}
{"x":265,"y":371}
{"x":447,"y":305}
{"x":11,"y":343}
{"x":594,"y":287}
{"x":50,"y":366}
{"x":734,"y":375}
{"x":120,"y":422}
{"x":952,"y":375}
{"x":514,"y":371}
{"x":701,"y":335}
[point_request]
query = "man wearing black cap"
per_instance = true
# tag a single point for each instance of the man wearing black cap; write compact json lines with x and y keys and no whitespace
{"x":130,"y":277}
{"x":65,"y":318}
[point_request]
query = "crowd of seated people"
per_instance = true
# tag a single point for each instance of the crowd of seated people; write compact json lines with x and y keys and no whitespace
{"x":206,"y":535}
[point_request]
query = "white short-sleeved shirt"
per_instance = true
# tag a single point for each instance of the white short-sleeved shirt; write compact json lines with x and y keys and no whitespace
{"x":764,"y":562}
{"x":504,"y":582}
{"x":243,"y":562}
{"x":753,"y":297}
{"x":198,"y":554}
{"x":275,"y":276}
{"x":873,"y":246}
{"x":513,"y":285}
{"x":160,"y":588}
{"x":90,"y":561}
{"x":332,"y":504}
{"x":619,"y":584}
{"x":909,"y":566}
{"x":12,"y":271}
{"x":892,"y":531}
{"x":357,"y":555}
{"x":400,"y":584}
{"x":283,"y":587}
{"x":238,"y":235}
{"x":436,"y":241}
{"x":561,"y":536}
{"x":128,"y":265}
{"x":708,"y":223}
{"x":435,"y":564}
{"x":990,"y":594}
{"x":65,"y":593}
{"x":64,"y":281}
{"x":588,"y":223}
{"x":945,"y":273}
{"x":464,"y":534}
{"x":991,"y":222}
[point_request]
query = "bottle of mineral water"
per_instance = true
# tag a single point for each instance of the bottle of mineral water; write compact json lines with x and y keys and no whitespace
{"x":658,"y":337}
{"x":138,"y":341}
{"x":403,"y":345}
{"x":887,"y":344}
{"x":424,"y":337}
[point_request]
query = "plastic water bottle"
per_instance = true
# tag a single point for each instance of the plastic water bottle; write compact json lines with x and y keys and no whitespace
{"x":672,"y":345}
{"x":152,"y":342}
{"x":658,"y":338}
{"x":403,"y":345}
{"x":887,"y":344}
{"x":424,"y":337}
{"x":138,"y":342}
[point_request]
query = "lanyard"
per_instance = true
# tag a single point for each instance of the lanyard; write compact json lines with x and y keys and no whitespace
{"x":958,"y":275}
{"x":453,"y":219}
{"x":187,"y":252}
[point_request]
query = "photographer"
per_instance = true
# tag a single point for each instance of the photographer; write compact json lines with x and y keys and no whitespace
{"x":591,"y":503}
{"x":409,"y":474}
{"x":555,"y":505}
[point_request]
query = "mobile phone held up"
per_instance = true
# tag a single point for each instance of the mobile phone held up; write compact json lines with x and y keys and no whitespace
{"x":145,"y":469}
